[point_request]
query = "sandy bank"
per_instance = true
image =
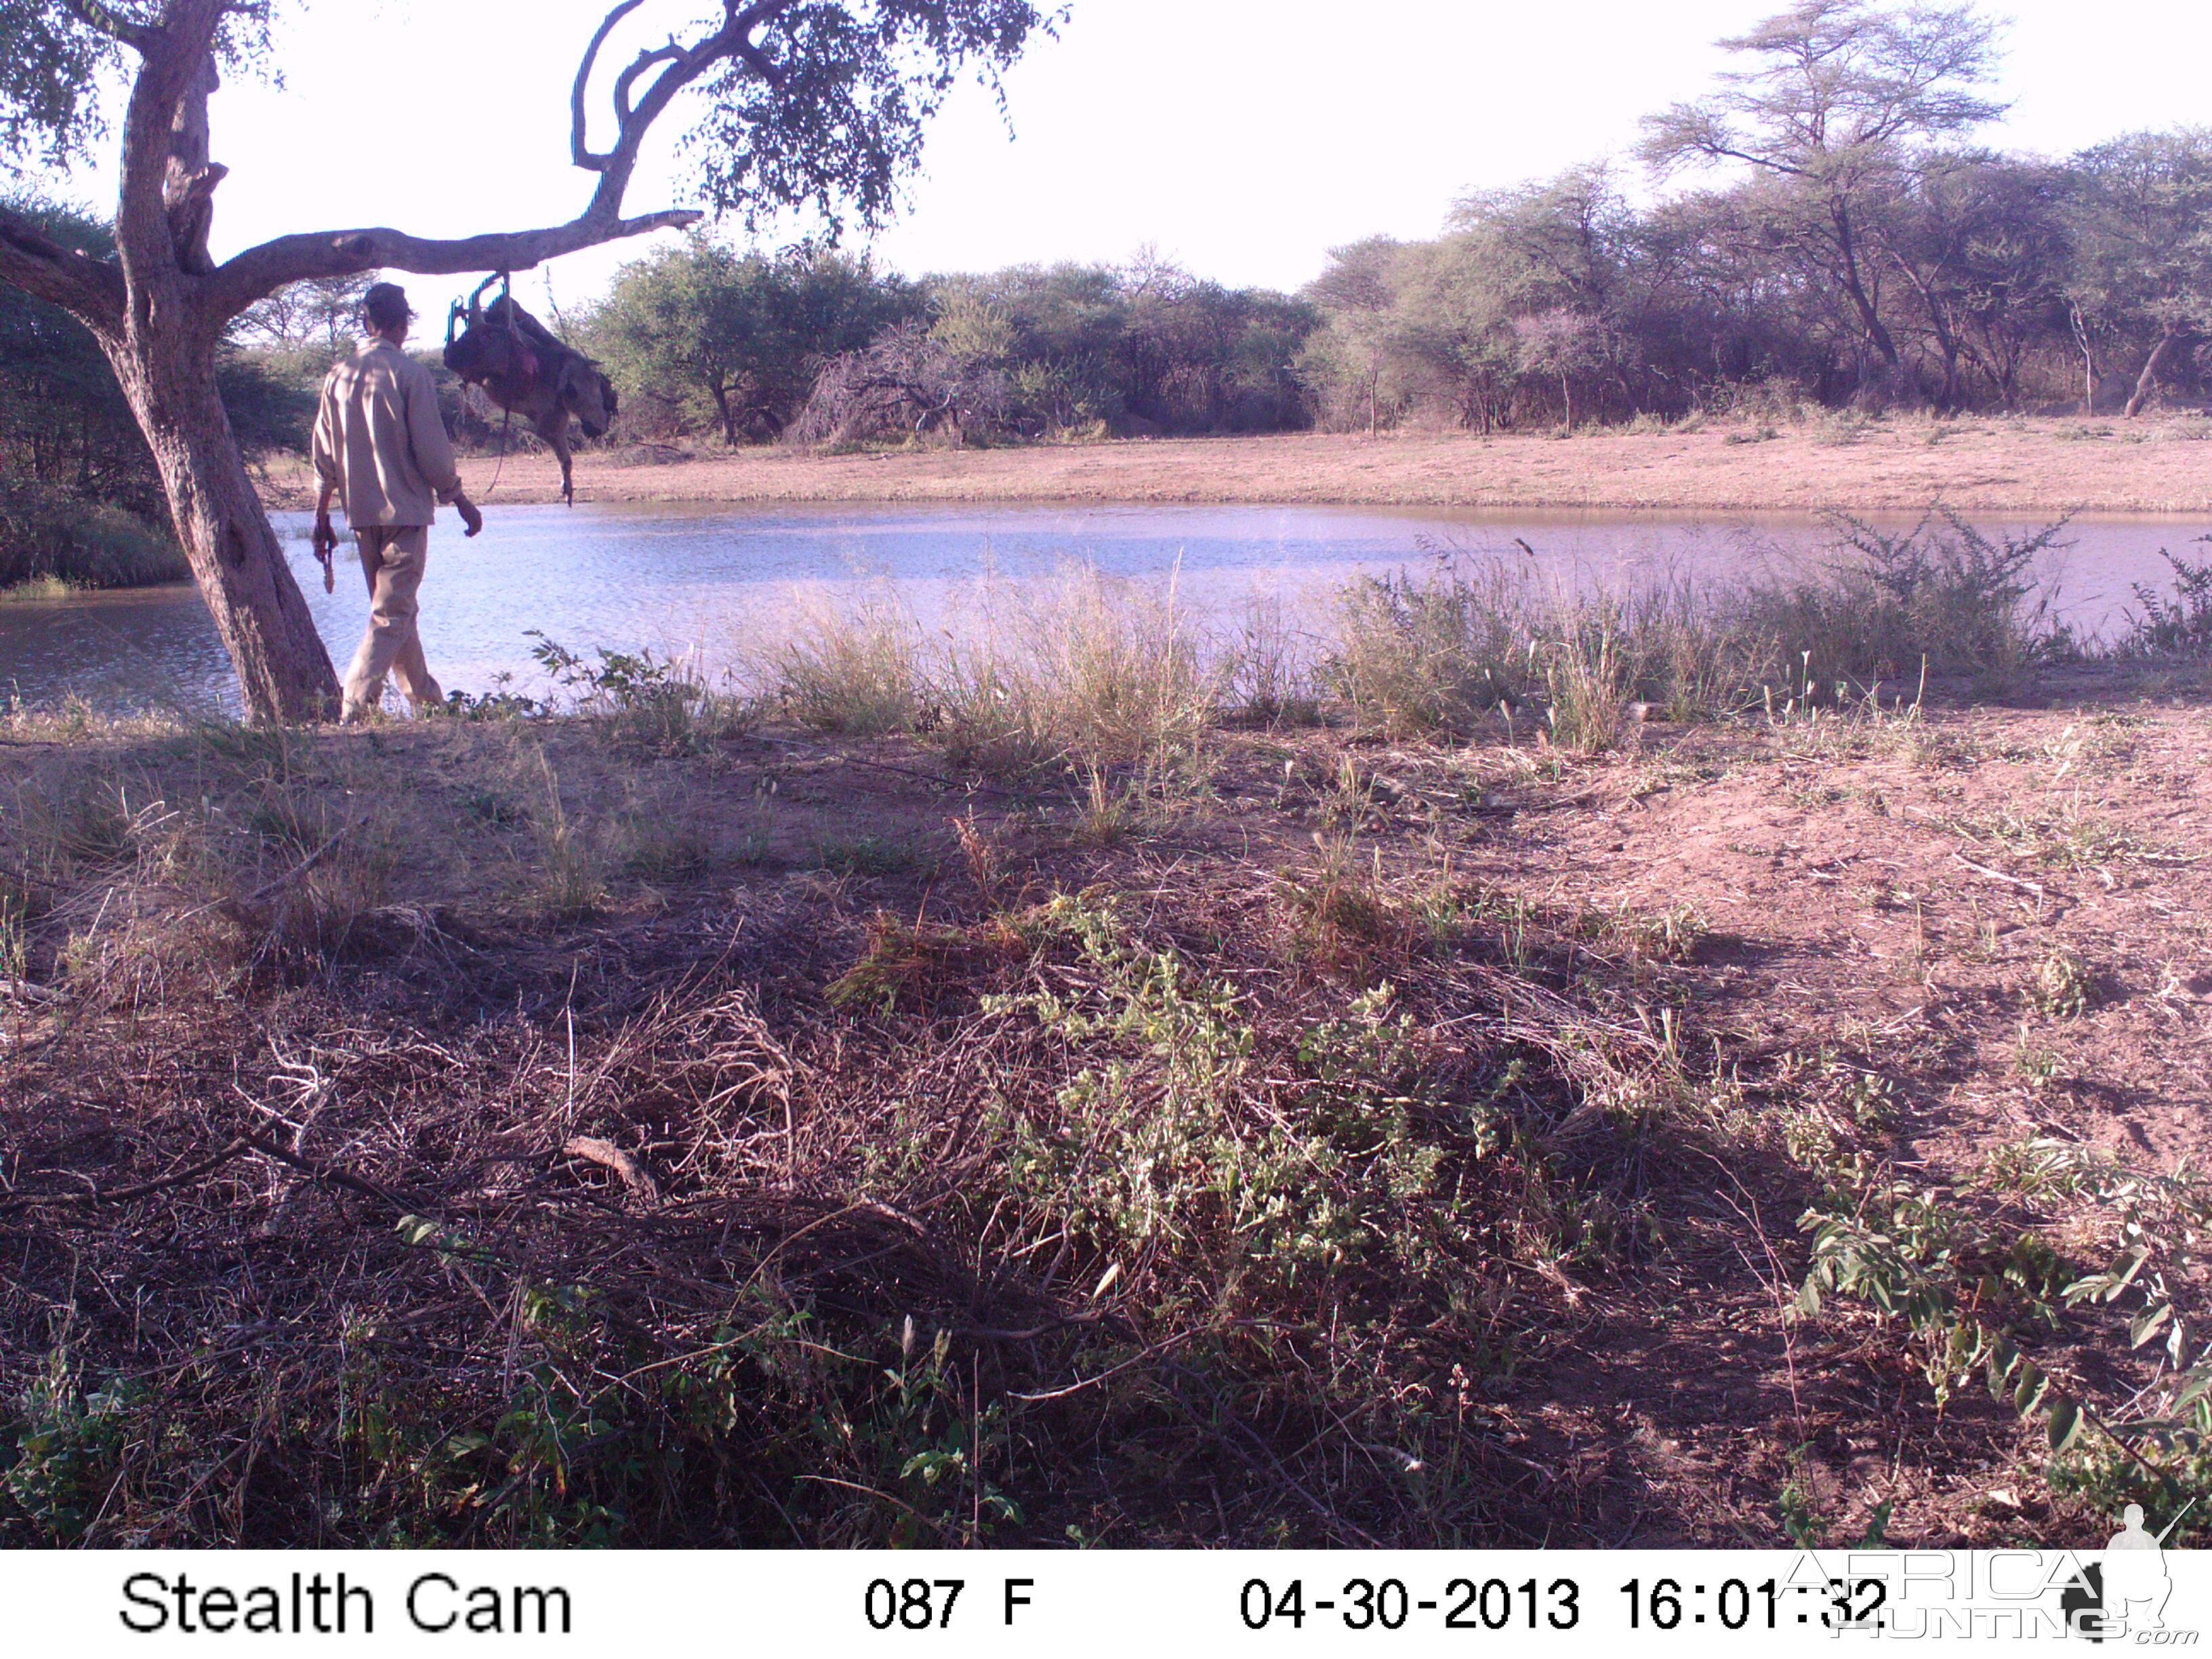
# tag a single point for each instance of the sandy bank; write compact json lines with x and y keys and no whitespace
{"x":2028,"y":466}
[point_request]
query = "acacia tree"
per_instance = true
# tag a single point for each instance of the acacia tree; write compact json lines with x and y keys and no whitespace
{"x":2139,"y":210}
{"x":1358,"y":289}
{"x":816,"y":103}
{"x":739,"y":336}
{"x":1979,"y":245}
{"x":1843,"y":92}
{"x":318,"y":312}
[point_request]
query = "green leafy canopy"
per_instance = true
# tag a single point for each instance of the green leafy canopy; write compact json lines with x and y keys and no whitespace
{"x":60,"y":59}
{"x":50,"y":67}
{"x":837,"y":121}
{"x":797,"y":104}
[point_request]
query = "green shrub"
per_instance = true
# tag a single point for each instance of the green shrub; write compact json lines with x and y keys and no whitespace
{"x":661,"y":705}
{"x":2179,"y":626}
{"x":49,"y":535}
{"x":1942,"y":594}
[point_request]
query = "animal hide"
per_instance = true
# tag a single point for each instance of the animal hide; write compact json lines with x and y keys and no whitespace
{"x":528,"y":370}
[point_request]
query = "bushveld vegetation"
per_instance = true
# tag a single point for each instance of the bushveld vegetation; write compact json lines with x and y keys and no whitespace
{"x":1857,"y":250}
{"x":1085,"y":671}
{"x":80,"y":502}
{"x":1077,"y":1081}
{"x":1900,"y":267}
{"x":1993,"y":284}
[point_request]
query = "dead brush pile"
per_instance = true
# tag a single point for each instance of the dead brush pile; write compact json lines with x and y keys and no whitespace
{"x":1073,"y":1217}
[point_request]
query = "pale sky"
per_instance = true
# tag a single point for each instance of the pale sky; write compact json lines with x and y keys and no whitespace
{"x":1243,"y":138}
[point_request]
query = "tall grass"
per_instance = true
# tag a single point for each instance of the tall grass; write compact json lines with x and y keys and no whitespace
{"x":854,"y":672}
{"x":1434,"y":652}
{"x":1272,"y":674}
{"x":1437,"y":651}
{"x":1078,"y":669}
{"x":1082,"y":671}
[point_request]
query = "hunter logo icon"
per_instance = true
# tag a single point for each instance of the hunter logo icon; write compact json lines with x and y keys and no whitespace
{"x":2135,"y":1582}
{"x":2125,"y":1593}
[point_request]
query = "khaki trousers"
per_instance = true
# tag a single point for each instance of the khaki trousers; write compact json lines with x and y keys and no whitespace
{"x":392,"y":559}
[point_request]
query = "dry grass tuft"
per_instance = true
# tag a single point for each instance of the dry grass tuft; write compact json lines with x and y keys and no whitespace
{"x":1080,"y":670}
{"x":855,"y":672}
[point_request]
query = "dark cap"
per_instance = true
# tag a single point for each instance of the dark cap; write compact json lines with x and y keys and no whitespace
{"x":385,"y":304}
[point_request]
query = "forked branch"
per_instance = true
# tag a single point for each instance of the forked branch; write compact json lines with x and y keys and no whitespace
{"x":662,"y":71}
{"x":580,"y":149}
{"x":671,"y":68}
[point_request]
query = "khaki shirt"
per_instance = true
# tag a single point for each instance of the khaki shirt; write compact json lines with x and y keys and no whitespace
{"x":380,"y":439}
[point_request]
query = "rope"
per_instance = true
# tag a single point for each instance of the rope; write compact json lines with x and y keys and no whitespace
{"x":507,"y":425}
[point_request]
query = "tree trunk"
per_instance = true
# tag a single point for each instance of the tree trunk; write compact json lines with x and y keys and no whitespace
{"x":159,"y":308}
{"x":2147,"y":382}
{"x":2080,"y":323}
{"x":1949,"y":400}
{"x":258,"y":611}
{"x":1877,"y":333}
{"x":162,"y":347}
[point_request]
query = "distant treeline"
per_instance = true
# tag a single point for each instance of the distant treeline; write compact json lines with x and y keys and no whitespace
{"x":817,"y":345}
{"x":1854,"y":250}
{"x":1969,"y":281}
{"x":1850,"y":249}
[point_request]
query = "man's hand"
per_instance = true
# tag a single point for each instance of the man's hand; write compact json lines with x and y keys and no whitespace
{"x":472,"y":520}
{"x":324,"y":541}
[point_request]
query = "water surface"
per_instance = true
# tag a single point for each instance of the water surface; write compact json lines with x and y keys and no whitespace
{"x":718,"y":580}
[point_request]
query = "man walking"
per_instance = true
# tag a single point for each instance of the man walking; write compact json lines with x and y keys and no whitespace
{"x":380,"y":441}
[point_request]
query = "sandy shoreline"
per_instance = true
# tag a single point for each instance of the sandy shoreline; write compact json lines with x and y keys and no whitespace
{"x":2156,"y":464}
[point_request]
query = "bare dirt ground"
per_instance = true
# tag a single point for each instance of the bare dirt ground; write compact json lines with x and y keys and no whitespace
{"x":2041,"y":465}
{"x":1897,"y":901}
{"x":1957,"y":947}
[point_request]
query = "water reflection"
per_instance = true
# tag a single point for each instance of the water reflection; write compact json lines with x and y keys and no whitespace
{"x":720,"y":579}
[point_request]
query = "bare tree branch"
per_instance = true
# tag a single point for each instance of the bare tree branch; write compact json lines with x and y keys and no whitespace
{"x":758,"y":61}
{"x":1727,"y":152}
{"x":668,"y":54}
{"x":733,"y":39}
{"x":580,"y":149}
{"x":260,"y":272}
